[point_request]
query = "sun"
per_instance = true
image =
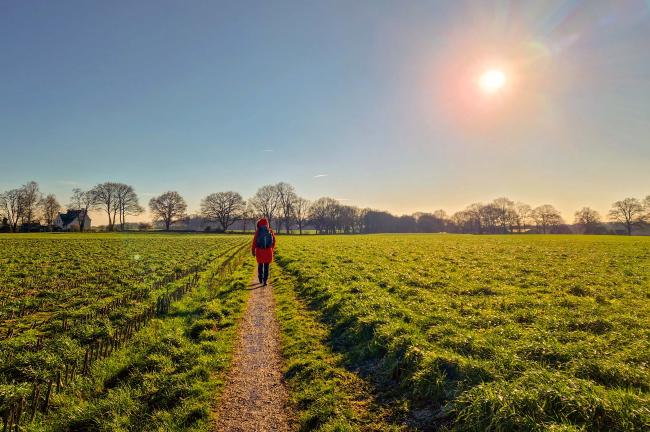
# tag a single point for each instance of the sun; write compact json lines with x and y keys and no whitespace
{"x":492,"y":80}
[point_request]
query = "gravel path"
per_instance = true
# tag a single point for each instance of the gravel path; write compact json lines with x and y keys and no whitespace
{"x":255,"y":398}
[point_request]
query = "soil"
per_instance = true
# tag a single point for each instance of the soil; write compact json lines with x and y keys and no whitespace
{"x":255,"y":397}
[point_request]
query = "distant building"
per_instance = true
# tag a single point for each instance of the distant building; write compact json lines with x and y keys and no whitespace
{"x":71,"y":221}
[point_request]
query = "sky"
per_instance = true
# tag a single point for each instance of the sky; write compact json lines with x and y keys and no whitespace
{"x":375,"y":103}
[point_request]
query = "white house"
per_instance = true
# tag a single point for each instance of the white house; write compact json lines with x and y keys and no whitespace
{"x":71,"y":220}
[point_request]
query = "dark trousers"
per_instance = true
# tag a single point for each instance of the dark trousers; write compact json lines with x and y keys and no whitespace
{"x":263,"y":272}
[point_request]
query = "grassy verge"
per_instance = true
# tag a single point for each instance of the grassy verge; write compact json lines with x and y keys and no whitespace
{"x":167,"y":377}
{"x":328,"y":397}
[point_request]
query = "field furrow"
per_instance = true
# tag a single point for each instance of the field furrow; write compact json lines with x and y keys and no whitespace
{"x":41,"y":357}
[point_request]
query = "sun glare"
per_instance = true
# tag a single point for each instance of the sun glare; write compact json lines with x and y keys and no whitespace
{"x":492,"y":81}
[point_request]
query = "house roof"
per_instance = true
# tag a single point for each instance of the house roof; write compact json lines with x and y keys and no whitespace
{"x":70,"y":216}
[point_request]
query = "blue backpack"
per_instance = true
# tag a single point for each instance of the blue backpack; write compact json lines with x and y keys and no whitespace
{"x":264,"y":238}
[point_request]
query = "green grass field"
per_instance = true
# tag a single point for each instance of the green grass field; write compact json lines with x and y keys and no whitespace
{"x":43,"y":277}
{"x":501,"y":333}
{"x":74,"y":307}
{"x":379,"y":332}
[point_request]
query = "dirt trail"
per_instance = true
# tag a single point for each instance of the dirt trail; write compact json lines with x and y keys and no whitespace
{"x":255,"y":398}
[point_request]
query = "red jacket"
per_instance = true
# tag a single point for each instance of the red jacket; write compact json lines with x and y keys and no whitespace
{"x":263,"y":255}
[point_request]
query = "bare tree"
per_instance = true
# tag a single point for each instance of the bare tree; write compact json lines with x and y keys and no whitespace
{"x":523,"y":214}
{"x":265,"y":201}
{"x":546,"y":217}
{"x":324,"y":215}
{"x":346,"y":217}
{"x":127,"y":203}
{"x":248,"y":216}
{"x":106,"y":199}
{"x":474,"y":215}
{"x":318,"y":214}
{"x":462,"y":221}
{"x":50,"y":208}
{"x":224,"y":207}
{"x":169,"y":208}
{"x":629,"y":212}
{"x":490,"y":218}
{"x":4,"y":220}
{"x":646,"y":207}
{"x":588,"y":220}
{"x":375,"y":221}
{"x":20,"y":205}
{"x":431,"y":222}
{"x":83,"y":201}
{"x":359,"y":223}
{"x":11,"y":203}
{"x":441,"y":214}
{"x":30,"y":197}
{"x":506,"y":215}
{"x":301,"y":212}
{"x":286,"y":201}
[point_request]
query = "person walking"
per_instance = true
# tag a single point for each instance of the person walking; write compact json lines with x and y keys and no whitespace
{"x":262,"y":249}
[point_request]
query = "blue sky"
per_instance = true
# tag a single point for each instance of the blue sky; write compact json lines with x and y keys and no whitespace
{"x":368,"y":101}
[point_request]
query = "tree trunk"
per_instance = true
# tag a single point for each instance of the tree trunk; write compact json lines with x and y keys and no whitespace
{"x":82,"y":221}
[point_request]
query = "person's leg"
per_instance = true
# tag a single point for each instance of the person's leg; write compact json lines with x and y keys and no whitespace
{"x":260,"y":272}
{"x":266,"y":272}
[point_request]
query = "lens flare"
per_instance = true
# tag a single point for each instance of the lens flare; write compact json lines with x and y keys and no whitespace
{"x":492,"y":81}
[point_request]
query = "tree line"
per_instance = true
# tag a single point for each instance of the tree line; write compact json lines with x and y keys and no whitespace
{"x":287,"y":211}
{"x":27,"y":205}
